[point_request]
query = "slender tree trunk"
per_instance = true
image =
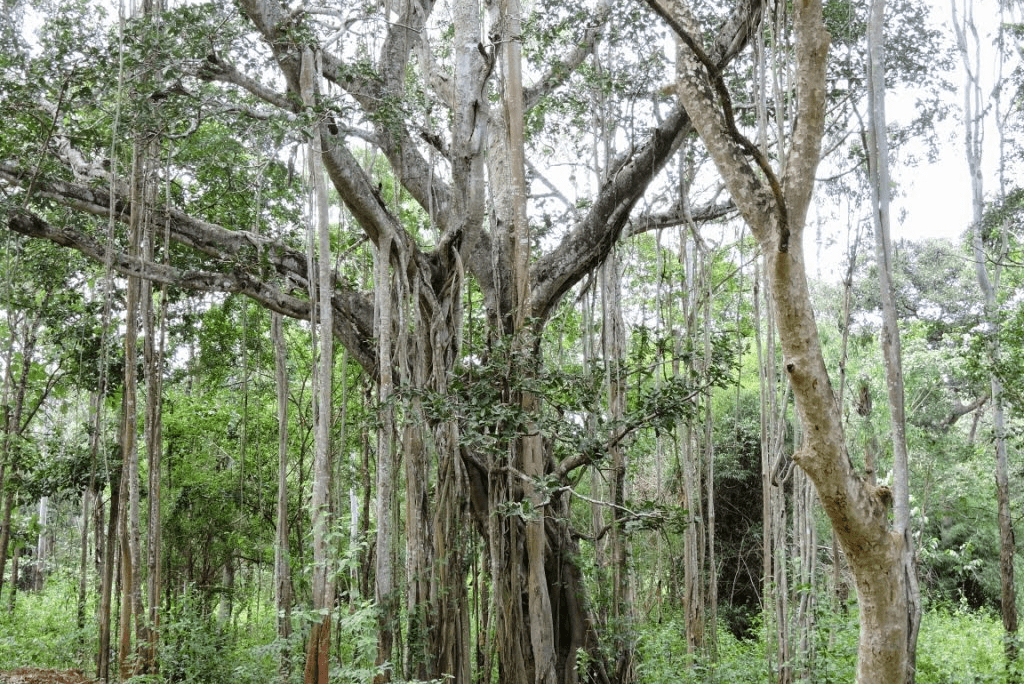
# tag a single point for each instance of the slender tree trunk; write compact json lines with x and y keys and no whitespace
{"x":774,"y":475}
{"x":282,"y":567}
{"x":95,"y":406}
{"x":107,"y":541}
{"x":878,"y":165}
{"x":691,"y":467}
{"x":42,"y":545}
{"x":5,"y":533}
{"x":126,"y":579}
{"x":138,"y":309}
{"x":367,"y":481}
{"x":14,"y":425}
{"x":15,"y":577}
{"x":107,"y":585}
{"x":1007,"y":541}
{"x":776,"y":210}
{"x":385,"y":589}
{"x":708,"y":457}
{"x":663,"y":317}
{"x":614,"y":352}
{"x":530,"y":446}
{"x":7,"y":425}
{"x":318,"y":649}
{"x":806,"y":592}
{"x":83,"y":566}
{"x":614,"y":342}
{"x":774,"y":406}
{"x":153,"y":351}
{"x":418,"y":552}
{"x":131,"y":603}
{"x":975,"y":104}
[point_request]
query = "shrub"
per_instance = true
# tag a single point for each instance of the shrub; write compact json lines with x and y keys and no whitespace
{"x":41,"y":630}
{"x":960,"y":646}
{"x":195,"y":649}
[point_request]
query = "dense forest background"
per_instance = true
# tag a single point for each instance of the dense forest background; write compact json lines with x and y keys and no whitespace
{"x":416,"y":341}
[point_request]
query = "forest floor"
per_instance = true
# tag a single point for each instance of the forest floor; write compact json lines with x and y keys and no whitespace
{"x":31,"y":675}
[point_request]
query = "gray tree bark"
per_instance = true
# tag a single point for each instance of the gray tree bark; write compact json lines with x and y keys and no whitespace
{"x":282,"y":561}
{"x":322,"y":320}
{"x":129,"y":534}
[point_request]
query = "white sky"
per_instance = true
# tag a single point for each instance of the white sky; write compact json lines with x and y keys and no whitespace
{"x":935,"y":195}
{"x":933,"y":198}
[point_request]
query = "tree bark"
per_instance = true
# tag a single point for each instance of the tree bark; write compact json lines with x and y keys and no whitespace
{"x":153,"y":361}
{"x":614,"y":352}
{"x":384,"y":578}
{"x":318,"y":648}
{"x":774,"y":473}
{"x":15,"y":422}
{"x":130,"y":543}
{"x":42,"y":545}
{"x":107,"y":580}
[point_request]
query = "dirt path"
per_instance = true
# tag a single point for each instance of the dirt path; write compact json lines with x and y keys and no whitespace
{"x":31,"y":675}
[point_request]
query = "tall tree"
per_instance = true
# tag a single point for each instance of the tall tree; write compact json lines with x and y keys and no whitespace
{"x":776,"y":208}
{"x":322,"y":320}
{"x":466,"y":174}
{"x":26,"y":326}
{"x":282,"y":563}
{"x":879,"y":182}
{"x":975,"y":109}
{"x":128,"y":525}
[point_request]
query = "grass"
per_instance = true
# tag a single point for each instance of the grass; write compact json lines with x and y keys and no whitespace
{"x":955,"y":646}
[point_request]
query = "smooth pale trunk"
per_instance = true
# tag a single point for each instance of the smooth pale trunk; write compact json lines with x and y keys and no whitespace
{"x":975,"y":106}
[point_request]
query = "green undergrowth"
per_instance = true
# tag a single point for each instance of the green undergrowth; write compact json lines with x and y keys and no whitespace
{"x":41,"y":629}
{"x":955,"y":646}
{"x":197,"y":648}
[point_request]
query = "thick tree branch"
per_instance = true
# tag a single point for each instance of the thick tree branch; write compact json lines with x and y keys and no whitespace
{"x":959,"y":411}
{"x":379,"y":95}
{"x":216,"y":69}
{"x":207,"y":238}
{"x":811,"y":96}
{"x":590,"y":242}
{"x":235,"y":249}
{"x":375,"y":96}
{"x":754,"y":198}
{"x":677,"y":216}
{"x":592,"y":239}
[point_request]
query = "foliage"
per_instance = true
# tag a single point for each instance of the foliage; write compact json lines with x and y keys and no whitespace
{"x":738,"y":510}
{"x":195,"y":649}
{"x":960,"y":646}
{"x":40,"y":630}
{"x":664,"y":658}
{"x":957,"y":646}
{"x":959,"y":547}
